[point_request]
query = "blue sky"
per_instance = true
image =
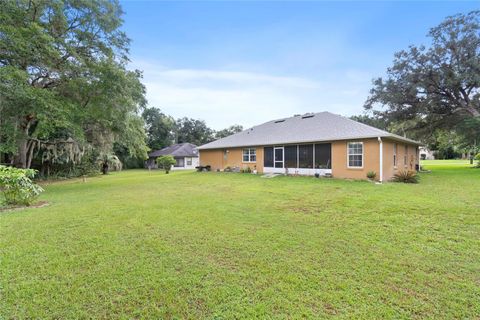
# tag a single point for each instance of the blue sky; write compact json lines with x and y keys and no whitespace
{"x":250,"y":62}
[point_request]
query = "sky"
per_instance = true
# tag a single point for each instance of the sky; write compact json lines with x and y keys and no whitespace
{"x":250,"y":62}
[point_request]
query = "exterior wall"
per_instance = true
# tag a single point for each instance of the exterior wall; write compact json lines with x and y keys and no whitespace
{"x":388,"y":151}
{"x":194,"y":164}
{"x":219,"y":159}
{"x":371,"y":157}
{"x":213,"y":158}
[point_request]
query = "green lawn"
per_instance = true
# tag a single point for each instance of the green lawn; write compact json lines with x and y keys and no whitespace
{"x":141,"y":244}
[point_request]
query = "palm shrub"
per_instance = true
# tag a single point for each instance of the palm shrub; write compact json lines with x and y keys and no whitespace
{"x":406,"y":176}
{"x":109,"y":161}
{"x":17,"y":186}
{"x":371,"y":175}
{"x":166,"y":163}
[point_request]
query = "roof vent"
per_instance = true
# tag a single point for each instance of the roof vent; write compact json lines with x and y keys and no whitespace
{"x":278,"y":121}
{"x":308,"y":115}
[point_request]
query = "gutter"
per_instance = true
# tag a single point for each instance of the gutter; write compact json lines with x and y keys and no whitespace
{"x":381,"y":159}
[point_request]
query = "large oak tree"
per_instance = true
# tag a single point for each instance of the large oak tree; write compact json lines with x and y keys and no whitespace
{"x":436,"y":87}
{"x":63,"y":77}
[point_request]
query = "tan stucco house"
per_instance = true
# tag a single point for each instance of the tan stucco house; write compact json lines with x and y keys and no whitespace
{"x":323,"y":143}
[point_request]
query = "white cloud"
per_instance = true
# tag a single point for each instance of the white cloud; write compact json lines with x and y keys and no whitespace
{"x":223,"y":98}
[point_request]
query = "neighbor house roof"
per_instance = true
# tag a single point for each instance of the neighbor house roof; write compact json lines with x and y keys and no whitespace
{"x":310,"y":127}
{"x":177,"y":150}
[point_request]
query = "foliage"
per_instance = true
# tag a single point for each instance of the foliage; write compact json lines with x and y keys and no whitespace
{"x":436,"y":87}
{"x":166,"y":162}
{"x":375,"y":121}
{"x":17,"y":186}
{"x":406,"y":176}
{"x":263,"y":243}
{"x":228,"y":131}
{"x":193,"y":131}
{"x":477,"y":157}
{"x":246,"y":170}
{"x":63,"y":76}
{"x":109,"y":162}
{"x":160,"y":128}
{"x":371,"y":175}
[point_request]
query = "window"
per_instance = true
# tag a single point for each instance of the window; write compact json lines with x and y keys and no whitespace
{"x":394,"y":154}
{"x":249,"y":155}
{"x":305,"y":156}
{"x":189,"y":161}
{"x":323,"y":156}
{"x":405,"y":156}
{"x":179,"y":162}
{"x":355,"y":154}
{"x":268,"y":157}
{"x":291,"y":157}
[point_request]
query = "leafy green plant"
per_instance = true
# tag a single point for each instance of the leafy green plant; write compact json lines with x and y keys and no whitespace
{"x":166,"y":163}
{"x":246,"y":170}
{"x":17,"y":186}
{"x":109,"y":161}
{"x":477,"y":157}
{"x":406,"y":176}
{"x":371,"y":175}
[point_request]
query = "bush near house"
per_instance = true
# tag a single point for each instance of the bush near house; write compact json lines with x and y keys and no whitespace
{"x":371,"y":175}
{"x":17,"y":186}
{"x":166,"y":163}
{"x":406,"y":176}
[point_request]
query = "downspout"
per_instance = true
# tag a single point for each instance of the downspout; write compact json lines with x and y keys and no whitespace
{"x":381,"y":159}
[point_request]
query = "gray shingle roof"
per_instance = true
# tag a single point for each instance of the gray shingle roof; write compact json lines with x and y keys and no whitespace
{"x":176,"y":150}
{"x":313,"y":127}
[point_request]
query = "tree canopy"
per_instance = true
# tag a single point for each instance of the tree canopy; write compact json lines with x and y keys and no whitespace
{"x":435,"y":87}
{"x":63,"y":79}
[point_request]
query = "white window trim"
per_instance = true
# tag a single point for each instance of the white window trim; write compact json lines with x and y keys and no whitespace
{"x":249,"y":155}
{"x":363,"y":155}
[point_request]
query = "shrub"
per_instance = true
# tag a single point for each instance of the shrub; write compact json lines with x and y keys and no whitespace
{"x":17,"y":185}
{"x":227,"y":169}
{"x":166,"y":163}
{"x":371,"y":175}
{"x":477,"y":157}
{"x":108,"y":161}
{"x":246,"y":170}
{"x":406,"y":176}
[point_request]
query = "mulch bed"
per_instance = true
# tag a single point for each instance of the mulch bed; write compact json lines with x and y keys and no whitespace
{"x":39,"y":204}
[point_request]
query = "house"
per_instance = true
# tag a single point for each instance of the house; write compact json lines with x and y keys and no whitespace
{"x":315,"y":143}
{"x":426,"y":154}
{"x":185,"y":154}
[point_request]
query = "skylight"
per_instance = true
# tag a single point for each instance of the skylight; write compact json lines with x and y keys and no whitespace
{"x":308,"y":116}
{"x":278,"y":121}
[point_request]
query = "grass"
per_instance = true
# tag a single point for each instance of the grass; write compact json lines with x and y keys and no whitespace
{"x":141,"y":244}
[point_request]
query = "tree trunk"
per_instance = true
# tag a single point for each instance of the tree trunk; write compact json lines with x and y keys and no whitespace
{"x":20,"y":159}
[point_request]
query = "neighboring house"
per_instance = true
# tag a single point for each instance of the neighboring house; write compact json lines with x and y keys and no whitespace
{"x":185,"y":154}
{"x":322,"y":143}
{"x":426,"y":154}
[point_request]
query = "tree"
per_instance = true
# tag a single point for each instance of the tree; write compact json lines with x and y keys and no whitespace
{"x":166,"y":163}
{"x":436,"y":87}
{"x":373,"y":121}
{"x":63,"y":76}
{"x":193,"y":131}
{"x":228,"y":131}
{"x":159,"y":127}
